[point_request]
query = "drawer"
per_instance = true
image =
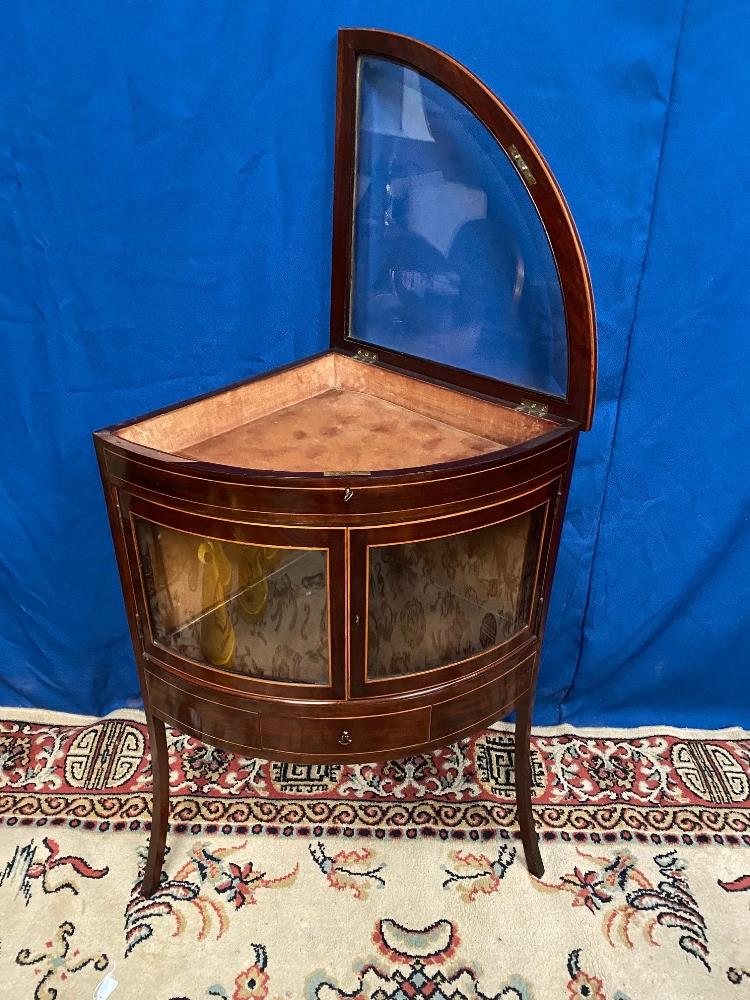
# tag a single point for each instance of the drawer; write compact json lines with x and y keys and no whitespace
{"x":201,"y":716}
{"x":482,"y":704}
{"x":344,"y":736}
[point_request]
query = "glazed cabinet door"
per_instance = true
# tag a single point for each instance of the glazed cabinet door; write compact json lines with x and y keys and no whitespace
{"x":251,"y":606}
{"x":436,"y":600}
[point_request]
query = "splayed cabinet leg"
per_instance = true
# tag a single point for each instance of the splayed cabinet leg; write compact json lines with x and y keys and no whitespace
{"x":160,"y":807}
{"x":523,"y":787}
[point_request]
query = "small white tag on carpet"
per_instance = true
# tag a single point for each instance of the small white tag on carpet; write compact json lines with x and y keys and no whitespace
{"x":106,"y":987}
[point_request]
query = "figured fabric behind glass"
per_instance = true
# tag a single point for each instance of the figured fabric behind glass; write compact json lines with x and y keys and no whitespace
{"x":251,"y":609}
{"x":434,"y":602}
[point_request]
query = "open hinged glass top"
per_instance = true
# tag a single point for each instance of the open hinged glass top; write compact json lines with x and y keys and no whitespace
{"x":452,"y":243}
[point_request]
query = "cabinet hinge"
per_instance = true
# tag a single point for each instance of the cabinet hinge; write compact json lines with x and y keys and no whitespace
{"x":118,"y":508}
{"x":139,"y":628}
{"x":367,"y":357}
{"x":533,"y":409}
{"x":521,"y":165}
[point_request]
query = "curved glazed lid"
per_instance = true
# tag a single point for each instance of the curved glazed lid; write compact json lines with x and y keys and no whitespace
{"x":454,"y":253}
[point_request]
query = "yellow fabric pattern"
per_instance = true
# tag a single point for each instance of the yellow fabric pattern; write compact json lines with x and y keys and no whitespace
{"x":253,"y":568}
{"x":217,"y":636}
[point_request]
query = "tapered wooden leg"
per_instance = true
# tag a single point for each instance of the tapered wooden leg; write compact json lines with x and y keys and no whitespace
{"x":523,"y":788}
{"x":160,"y":808}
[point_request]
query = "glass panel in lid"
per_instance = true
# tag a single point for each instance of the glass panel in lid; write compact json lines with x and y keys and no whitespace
{"x":451,"y":261}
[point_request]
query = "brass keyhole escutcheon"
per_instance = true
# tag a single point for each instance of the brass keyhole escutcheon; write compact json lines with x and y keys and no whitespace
{"x":348,"y":494}
{"x":345,"y":738}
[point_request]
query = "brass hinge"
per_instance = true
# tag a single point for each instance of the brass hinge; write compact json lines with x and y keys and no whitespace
{"x":121,"y":515}
{"x":533,"y":409}
{"x":367,"y":357}
{"x":144,"y":638}
{"x":521,"y":165}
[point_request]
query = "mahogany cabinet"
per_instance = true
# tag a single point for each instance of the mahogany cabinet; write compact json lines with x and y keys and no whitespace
{"x":349,"y":558}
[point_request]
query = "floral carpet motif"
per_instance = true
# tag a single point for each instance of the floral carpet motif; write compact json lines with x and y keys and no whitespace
{"x":394,"y":881}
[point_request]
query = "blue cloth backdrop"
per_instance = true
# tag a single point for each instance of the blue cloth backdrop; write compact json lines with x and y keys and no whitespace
{"x":165,"y":225}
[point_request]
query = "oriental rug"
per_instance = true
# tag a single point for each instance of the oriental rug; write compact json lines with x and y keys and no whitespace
{"x":394,"y":881}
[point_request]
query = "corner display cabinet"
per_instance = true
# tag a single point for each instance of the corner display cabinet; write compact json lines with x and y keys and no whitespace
{"x":349,"y":558}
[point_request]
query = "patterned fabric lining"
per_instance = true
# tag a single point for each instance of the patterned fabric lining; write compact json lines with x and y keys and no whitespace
{"x":434,"y":602}
{"x":256,"y":610}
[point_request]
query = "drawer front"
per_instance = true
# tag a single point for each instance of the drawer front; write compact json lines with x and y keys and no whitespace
{"x":343,"y":737}
{"x":454,"y":717}
{"x":205,"y":718}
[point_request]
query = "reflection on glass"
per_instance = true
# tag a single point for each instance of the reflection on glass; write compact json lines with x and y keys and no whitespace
{"x":451,"y":260}
{"x":251,"y":609}
{"x":435,"y":602}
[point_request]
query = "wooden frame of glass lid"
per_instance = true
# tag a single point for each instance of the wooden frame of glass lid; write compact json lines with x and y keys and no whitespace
{"x":349,"y":558}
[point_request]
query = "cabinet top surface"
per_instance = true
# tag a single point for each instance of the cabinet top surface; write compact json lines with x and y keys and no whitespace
{"x":337,"y":416}
{"x":454,"y":251}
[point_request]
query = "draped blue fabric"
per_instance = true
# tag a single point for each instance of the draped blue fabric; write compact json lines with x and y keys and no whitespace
{"x":165,"y":226}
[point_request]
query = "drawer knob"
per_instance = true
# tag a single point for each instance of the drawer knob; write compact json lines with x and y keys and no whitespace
{"x":348,"y":494}
{"x":345,"y":738}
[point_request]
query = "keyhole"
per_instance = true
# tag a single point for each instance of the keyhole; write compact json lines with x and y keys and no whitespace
{"x":348,"y":494}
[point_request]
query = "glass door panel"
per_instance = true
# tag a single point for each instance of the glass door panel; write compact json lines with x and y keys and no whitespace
{"x":257,"y":610}
{"x":435,"y":602}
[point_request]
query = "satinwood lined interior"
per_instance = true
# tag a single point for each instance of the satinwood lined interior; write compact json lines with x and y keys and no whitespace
{"x":336,"y":414}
